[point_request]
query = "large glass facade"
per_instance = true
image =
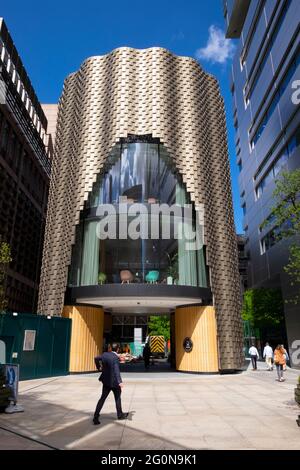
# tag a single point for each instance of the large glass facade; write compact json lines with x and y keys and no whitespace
{"x":139,"y":172}
{"x":142,"y":172}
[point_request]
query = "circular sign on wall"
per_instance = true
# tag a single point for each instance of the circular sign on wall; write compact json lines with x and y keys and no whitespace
{"x":187,"y":345}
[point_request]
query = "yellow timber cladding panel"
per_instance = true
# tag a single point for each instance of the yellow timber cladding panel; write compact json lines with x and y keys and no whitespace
{"x":148,"y":91}
{"x":86,"y":337}
{"x":199,"y":324}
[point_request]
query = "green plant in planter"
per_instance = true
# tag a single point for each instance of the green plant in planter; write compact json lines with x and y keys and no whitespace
{"x":101,"y":278}
{"x":173,"y":267}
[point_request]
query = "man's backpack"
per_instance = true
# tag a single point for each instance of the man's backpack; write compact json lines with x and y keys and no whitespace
{"x":98,"y":363}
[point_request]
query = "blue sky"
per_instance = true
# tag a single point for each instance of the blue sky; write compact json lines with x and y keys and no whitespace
{"x":53,"y":38}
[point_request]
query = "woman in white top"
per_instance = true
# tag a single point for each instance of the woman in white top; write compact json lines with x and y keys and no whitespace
{"x":254,"y":356}
{"x":268,"y":355}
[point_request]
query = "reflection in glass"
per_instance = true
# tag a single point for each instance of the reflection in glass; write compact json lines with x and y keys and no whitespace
{"x":143,"y":172}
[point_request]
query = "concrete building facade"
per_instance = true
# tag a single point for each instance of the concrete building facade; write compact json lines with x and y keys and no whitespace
{"x":25,"y":153}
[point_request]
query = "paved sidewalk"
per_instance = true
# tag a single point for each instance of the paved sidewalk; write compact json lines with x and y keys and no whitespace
{"x":167,"y":411}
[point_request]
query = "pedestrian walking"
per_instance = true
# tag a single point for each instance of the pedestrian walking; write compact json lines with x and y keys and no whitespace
{"x":146,"y":355}
{"x":108,"y":363}
{"x":268,"y":356}
{"x":279,"y":360}
{"x":254,"y":356}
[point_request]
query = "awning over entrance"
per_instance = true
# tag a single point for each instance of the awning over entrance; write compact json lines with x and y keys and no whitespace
{"x":139,"y":298}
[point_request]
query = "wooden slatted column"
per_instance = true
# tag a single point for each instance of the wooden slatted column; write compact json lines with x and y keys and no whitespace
{"x":86,"y":336}
{"x":199,"y":324}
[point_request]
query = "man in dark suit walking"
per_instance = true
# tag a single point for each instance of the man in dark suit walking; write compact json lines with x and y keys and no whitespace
{"x":111,"y":379}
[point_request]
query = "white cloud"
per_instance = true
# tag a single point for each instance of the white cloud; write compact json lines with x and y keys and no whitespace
{"x":218,"y":49}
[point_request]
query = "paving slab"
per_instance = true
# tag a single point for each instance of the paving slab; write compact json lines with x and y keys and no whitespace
{"x":166,"y":411}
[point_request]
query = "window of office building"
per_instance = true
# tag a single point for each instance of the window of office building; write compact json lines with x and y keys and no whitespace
{"x":268,"y":241}
{"x":275,"y":235}
{"x":271,"y":42}
{"x":275,"y":100}
{"x":279,"y":163}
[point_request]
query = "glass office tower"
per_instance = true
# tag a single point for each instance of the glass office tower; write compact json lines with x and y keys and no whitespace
{"x":266,"y":120}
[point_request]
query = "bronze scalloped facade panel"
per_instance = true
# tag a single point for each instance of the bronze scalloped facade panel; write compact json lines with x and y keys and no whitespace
{"x":140,"y":92}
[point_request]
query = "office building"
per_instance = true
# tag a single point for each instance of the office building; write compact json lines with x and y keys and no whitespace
{"x":266,"y":119}
{"x":139,"y":132}
{"x":25,"y":151}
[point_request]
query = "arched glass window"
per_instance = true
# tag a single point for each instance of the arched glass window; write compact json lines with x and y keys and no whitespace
{"x":141,"y":171}
{"x":137,"y":173}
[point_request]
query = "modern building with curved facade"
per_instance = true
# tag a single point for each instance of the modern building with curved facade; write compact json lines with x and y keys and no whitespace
{"x":141,"y":137}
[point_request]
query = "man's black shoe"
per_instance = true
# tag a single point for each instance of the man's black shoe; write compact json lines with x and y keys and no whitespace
{"x":123,"y":416}
{"x":96,"y":421}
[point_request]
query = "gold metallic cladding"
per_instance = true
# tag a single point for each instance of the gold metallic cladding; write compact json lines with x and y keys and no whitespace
{"x":148,"y":91}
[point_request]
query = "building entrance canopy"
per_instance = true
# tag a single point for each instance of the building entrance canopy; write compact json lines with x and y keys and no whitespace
{"x":139,"y":298}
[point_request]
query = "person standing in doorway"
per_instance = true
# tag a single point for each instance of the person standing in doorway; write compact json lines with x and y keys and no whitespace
{"x":268,"y":356}
{"x":146,"y":355}
{"x":109,"y":364}
{"x":254,"y":356}
{"x":279,"y":360}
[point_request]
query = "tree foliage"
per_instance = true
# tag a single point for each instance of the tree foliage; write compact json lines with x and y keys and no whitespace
{"x":159,"y":325}
{"x":287,"y":203}
{"x":286,"y":216}
{"x":5,"y":259}
{"x":263,"y":307}
{"x":293,"y":270}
